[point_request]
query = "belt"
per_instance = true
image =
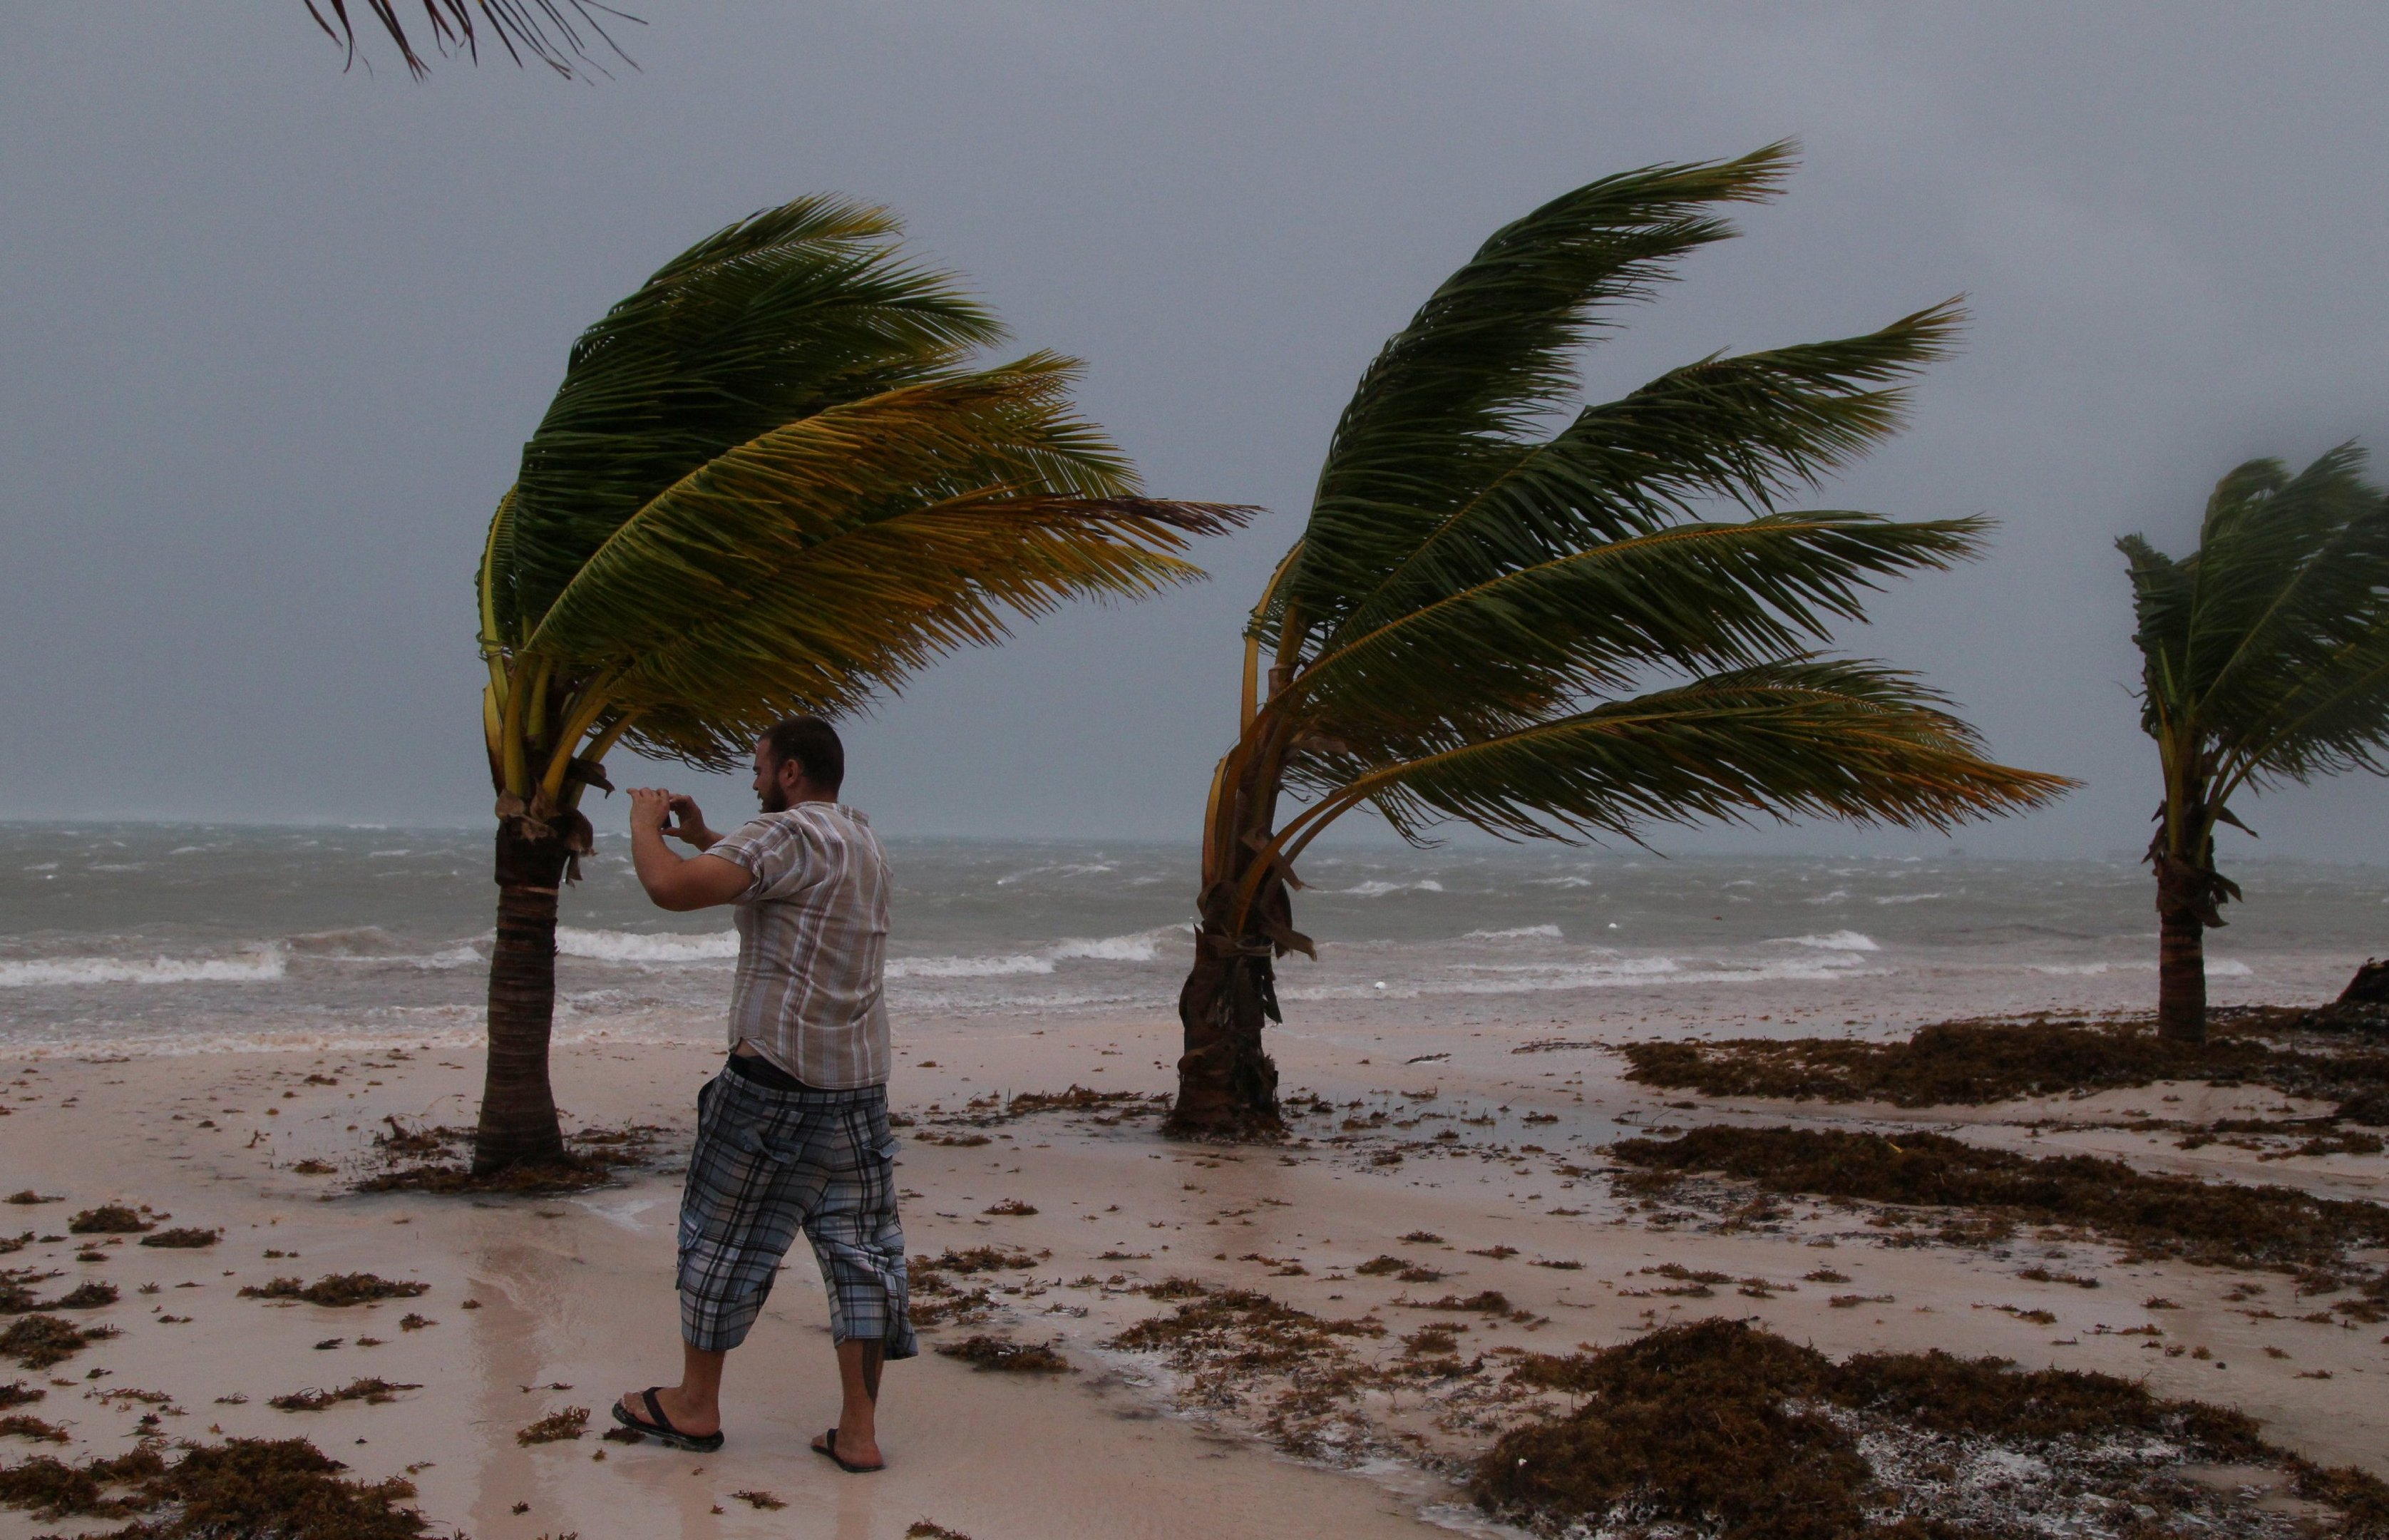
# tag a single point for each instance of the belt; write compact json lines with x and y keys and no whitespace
{"x":763,"y":1072}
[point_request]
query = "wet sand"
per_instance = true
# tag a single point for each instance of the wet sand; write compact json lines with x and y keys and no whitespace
{"x":575,"y":1302}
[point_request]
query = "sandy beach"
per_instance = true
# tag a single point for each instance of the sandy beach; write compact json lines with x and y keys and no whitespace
{"x":537,"y":1306}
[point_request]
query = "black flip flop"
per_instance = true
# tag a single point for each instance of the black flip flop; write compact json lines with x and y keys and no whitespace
{"x":828,"y":1445}
{"x":662,"y":1429}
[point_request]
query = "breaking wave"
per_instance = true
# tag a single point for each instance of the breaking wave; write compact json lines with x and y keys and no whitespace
{"x":631,"y":946}
{"x":262,"y":964}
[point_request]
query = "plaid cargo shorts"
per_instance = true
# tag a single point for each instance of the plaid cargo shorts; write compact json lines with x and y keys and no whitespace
{"x":768,"y":1162}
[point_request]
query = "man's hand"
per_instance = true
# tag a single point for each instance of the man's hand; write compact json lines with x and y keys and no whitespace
{"x":648,"y":806}
{"x":689,"y":825}
{"x":695,"y":882}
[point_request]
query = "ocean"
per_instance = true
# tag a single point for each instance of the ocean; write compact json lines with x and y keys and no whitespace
{"x":147,"y":938}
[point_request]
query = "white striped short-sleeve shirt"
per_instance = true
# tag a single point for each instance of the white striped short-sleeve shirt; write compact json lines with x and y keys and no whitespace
{"x":813,"y":942}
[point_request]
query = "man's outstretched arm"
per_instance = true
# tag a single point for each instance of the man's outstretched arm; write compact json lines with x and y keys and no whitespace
{"x":673,"y":881}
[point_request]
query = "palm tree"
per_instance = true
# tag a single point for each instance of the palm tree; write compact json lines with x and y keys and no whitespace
{"x":769,"y":484}
{"x":1543,"y":636}
{"x":2265,"y":660}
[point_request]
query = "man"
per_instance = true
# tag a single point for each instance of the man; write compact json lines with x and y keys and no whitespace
{"x":793,"y":1133}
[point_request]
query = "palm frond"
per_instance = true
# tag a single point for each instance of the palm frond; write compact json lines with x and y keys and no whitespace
{"x":2284,"y":578}
{"x":825,"y":561}
{"x":1440,"y":412}
{"x":791,"y":310}
{"x":1695,"y":597}
{"x":1805,"y":738}
{"x":2264,"y":650}
{"x":547,"y":30}
{"x":1748,"y":428}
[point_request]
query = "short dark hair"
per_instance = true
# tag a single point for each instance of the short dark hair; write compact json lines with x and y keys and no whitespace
{"x":813,"y":744}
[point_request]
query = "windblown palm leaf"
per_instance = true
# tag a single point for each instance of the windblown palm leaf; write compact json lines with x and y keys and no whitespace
{"x":548,"y":30}
{"x":1564,"y":636}
{"x":2265,"y":661}
{"x":773,"y":483}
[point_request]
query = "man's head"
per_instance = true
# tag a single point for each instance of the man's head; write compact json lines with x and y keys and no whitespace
{"x":799,"y":760}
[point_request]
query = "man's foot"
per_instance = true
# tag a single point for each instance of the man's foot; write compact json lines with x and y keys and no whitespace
{"x":666,"y":1413}
{"x":861,"y":1456}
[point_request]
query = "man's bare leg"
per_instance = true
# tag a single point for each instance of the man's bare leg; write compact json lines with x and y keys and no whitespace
{"x":694,"y":1404}
{"x":858,"y":1376}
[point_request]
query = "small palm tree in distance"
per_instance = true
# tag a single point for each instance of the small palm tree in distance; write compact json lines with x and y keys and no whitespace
{"x":2265,"y":661}
{"x":771,"y":483}
{"x":1569,"y":634}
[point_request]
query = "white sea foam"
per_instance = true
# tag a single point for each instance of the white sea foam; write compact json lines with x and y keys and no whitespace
{"x":1139,"y":946}
{"x":2216,"y":967}
{"x":1624,"y":974}
{"x":966,"y":968}
{"x":1379,"y":890}
{"x":262,"y":965}
{"x":631,"y":946}
{"x":1837,"y":941}
{"x":1084,"y":868}
{"x":1523,"y":933}
{"x":1909,"y":898}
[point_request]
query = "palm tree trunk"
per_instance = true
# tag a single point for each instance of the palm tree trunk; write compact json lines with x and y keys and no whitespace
{"x":2181,"y":955}
{"x":1226,"y":1083}
{"x":519,"y":1123}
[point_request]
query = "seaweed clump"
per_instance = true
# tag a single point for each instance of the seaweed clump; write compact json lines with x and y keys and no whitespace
{"x":108,"y":1219}
{"x":555,"y":1427}
{"x":1953,"y":1063}
{"x":2217,"y":1224}
{"x":37,"y":1341}
{"x":589,"y":1161}
{"x":373,"y":1393}
{"x":338,"y":1289}
{"x":1722,"y":1429}
{"x":937,"y":1300}
{"x":1236,"y":1344}
{"x":1005,"y":1356}
{"x":242,"y":1487}
{"x":182,"y":1238}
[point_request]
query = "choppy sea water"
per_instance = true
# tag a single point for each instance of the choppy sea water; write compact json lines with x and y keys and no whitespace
{"x":155,"y":938}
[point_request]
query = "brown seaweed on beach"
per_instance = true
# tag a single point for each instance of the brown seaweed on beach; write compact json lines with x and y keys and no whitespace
{"x":590,"y":1160}
{"x":19,"y":1425}
{"x":108,"y":1219}
{"x":1722,"y":1429}
{"x":37,"y":1341}
{"x":91,"y":1294}
{"x":17,"y":1394}
{"x":1004,"y":1356}
{"x":2217,"y":1224}
{"x":239,"y":1487}
{"x":573,"y":1174}
{"x":977,"y":1259}
{"x":1234,"y":1345}
{"x":337,"y":1289}
{"x":183,"y":1239}
{"x":555,"y":1427}
{"x":28,"y":1196}
{"x":373,"y":1393}
{"x":1978,"y":1061}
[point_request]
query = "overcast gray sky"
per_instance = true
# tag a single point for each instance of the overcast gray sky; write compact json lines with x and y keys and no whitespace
{"x":271,"y":337}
